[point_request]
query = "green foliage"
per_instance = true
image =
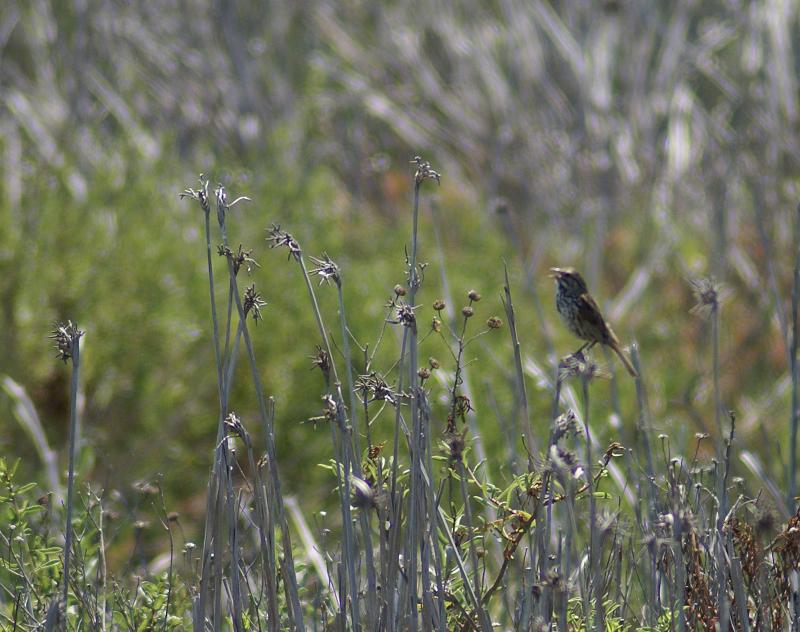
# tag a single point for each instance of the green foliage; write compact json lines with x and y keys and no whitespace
{"x":146,"y":608}
{"x":30,"y":569}
{"x":612,"y":622}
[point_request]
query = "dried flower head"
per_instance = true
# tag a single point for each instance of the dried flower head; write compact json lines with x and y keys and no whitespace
{"x":416,"y":275}
{"x":327,"y":269}
{"x":67,"y":337}
{"x":253,"y":303}
{"x":467,"y":311}
{"x":399,"y":290}
{"x":473,"y":296}
{"x":223,"y":206}
{"x":580,"y":365}
{"x":330,"y":407}
{"x":436,"y":325}
{"x":201,"y":195}
{"x":239,"y":258}
{"x":375,"y":450}
{"x":565,"y":424}
{"x":462,"y":406}
{"x":330,"y":411}
{"x":709,"y":294}
{"x":563,"y":459}
{"x":374,"y":388}
{"x":278,"y":237}
{"x":439,"y":305}
{"x":424,"y":373}
{"x":424,"y":171}
{"x":433,"y":363}
{"x":322,"y":360}
{"x":234,"y":424}
{"x":404,"y":316}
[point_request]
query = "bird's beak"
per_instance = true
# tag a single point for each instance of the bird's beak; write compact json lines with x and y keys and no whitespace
{"x":555,"y":273}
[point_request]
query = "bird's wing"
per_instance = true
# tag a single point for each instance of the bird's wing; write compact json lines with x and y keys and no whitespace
{"x":590,"y":312}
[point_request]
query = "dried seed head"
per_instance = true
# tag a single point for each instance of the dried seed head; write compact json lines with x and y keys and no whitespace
{"x":236,"y":427}
{"x":405,"y":316}
{"x":238,"y":259}
{"x":327,"y":269}
{"x":709,"y":294}
{"x":67,"y":337}
{"x":330,"y":410}
{"x":424,"y":171}
{"x":565,"y":424}
{"x":322,"y":360}
{"x":424,"y":373}
{"x":473,"y":296}
{"x":253,"y":303}
{"x":436,"y":325}
{"x":223,"y":206}
{"x":222,"y":203}
{"x":462,"y":406}
{"x":399,"y":290}
{"x":579,"y":365}
{"x":467,"y":311}
{"x":439,"y":305}
{"x":375,"y":450}
{"x":377,"y":387}
{"x":494,"y":323}
{"x":278,"y":238}
{"x":563,"y":459}
{"x":433,"y":363}
{"x":201,"y":195}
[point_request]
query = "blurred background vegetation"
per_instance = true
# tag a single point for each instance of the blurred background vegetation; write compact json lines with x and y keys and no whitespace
{"x":643,"y":143}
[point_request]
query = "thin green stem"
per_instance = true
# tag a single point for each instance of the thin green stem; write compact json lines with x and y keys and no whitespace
{"x":73,"y":422}
{"x":792,"y":486}
{"x":287,"y":562}
{"x":345,"y":457}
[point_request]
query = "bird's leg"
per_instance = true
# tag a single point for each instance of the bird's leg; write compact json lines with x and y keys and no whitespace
{"x":579,"y":352}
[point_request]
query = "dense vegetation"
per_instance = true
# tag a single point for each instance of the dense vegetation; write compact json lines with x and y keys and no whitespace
{"x":653,"y":147}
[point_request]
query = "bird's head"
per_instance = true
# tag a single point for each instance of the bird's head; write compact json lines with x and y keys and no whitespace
{"x":569,"y":280}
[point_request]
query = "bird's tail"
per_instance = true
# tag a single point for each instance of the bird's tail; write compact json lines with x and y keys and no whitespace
{"x":624,"y":360}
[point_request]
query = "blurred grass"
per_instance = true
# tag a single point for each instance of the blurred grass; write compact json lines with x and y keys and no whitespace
{"x":636,"y":143}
